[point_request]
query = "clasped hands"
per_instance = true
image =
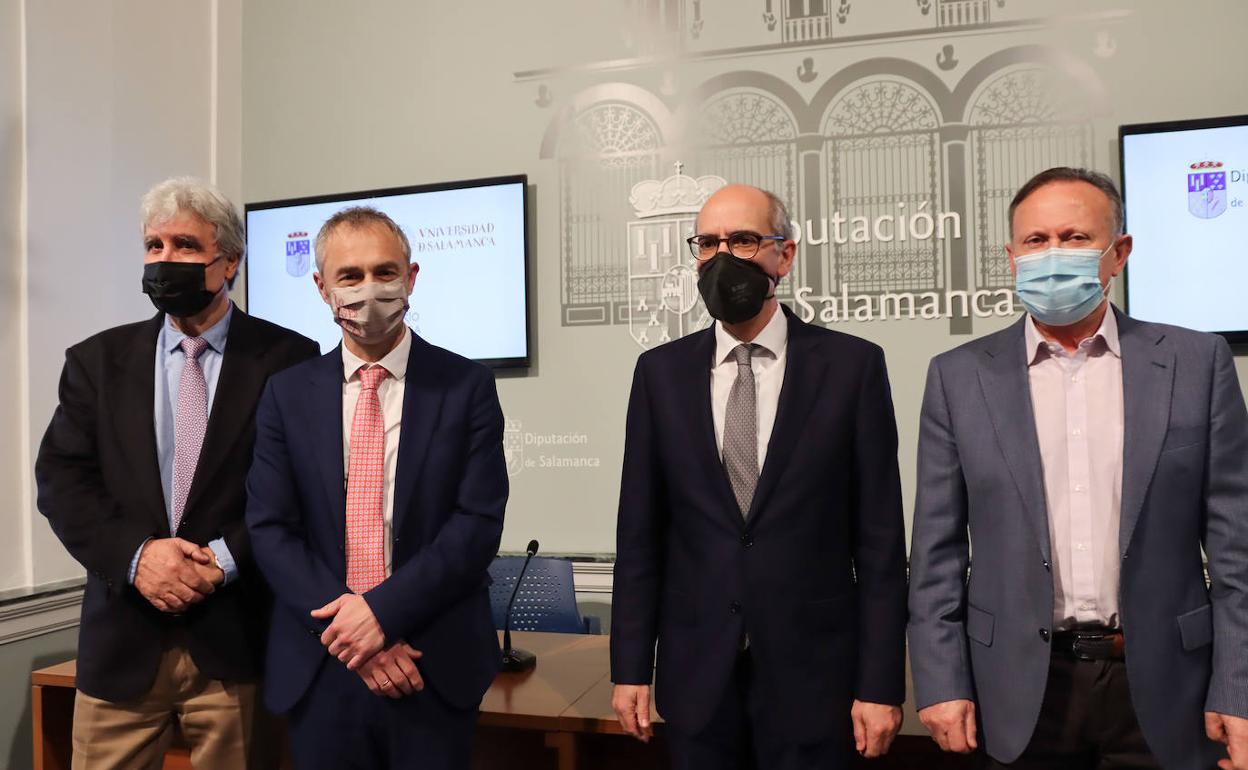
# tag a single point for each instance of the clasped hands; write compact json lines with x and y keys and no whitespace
{"x":355,"y":638}
{"x":174,"y":574}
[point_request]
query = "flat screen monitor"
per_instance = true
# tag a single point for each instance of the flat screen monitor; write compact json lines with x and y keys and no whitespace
{"x":1185,"y":184}
{"x":469,"y":238}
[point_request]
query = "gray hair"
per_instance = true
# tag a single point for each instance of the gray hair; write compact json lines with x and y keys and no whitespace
{"x":1067,"y":174}
{"x":184,"y":193}
{"x":356,"y":217}
{"x":778,"y":216}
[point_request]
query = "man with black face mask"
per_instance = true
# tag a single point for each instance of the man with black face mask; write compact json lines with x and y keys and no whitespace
{"x":141,"y":476}
{"x":760,"y":535}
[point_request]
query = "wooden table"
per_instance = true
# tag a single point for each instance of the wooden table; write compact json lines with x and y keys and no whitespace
{"x":567,"y":697}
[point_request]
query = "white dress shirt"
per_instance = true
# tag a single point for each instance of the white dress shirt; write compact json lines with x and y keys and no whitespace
{"x":390,"y":393}
{"x":1077,"y":398}
{"x":768,"y":365}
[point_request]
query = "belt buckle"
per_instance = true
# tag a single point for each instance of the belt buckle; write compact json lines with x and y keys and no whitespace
{"x":1086,"y":645}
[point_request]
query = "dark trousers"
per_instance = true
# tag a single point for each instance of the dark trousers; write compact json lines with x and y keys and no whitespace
{"x":1086,"y":721}
{"x":340,"y":725}
{"x":738,"y":736}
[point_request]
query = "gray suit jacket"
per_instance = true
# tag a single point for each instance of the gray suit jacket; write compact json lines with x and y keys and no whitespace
{"x":1184,"y":485}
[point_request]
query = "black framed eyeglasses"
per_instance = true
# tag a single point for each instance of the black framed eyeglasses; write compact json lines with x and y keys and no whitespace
{"x":742,"y":244}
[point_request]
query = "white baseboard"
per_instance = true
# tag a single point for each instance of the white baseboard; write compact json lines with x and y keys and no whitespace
{"x":593,"y":577}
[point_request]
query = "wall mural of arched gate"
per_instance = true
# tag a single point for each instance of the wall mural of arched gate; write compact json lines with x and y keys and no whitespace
{"x":877,"y":146}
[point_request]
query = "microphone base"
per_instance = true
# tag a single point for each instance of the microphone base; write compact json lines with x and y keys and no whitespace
{"x":519,"y":660}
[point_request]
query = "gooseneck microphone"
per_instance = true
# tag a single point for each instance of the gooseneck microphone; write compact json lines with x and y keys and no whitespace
{"x":513,"y":659}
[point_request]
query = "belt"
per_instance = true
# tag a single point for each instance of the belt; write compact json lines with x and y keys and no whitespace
{"x":1090,"y":644}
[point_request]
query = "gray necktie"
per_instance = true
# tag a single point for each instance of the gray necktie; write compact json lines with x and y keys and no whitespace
{"x":741,"y":431}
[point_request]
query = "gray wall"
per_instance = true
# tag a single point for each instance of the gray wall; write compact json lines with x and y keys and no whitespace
{"x":13,"y":468}
{"x":589,"y":97}
{"x":93,"y":111}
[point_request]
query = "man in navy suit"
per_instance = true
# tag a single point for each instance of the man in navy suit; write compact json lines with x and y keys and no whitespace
{"x":375,"y":507}
{"x":760,"y":535}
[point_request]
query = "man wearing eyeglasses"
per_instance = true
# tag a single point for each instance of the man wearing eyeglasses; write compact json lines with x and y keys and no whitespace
{"x":760,"y":536}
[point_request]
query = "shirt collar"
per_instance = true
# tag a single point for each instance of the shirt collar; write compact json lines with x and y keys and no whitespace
{"x":214,"y":335}
{"x":774,"y":338}
{"x":1037,"y":345}
{"x":394,"y":362}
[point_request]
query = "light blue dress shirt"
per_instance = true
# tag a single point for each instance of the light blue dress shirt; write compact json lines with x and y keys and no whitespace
{"x":169,"y":363}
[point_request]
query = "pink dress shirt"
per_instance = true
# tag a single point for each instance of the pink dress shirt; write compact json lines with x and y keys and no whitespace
{"x":1077,"y":400}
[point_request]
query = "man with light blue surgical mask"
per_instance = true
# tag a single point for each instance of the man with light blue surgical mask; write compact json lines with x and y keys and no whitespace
{"x":1084,"y":458}
{"x":1064,"y":250}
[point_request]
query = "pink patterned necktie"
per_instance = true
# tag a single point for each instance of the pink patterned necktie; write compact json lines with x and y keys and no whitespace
{"x":190,"y":423}
{"x":366,"y":565}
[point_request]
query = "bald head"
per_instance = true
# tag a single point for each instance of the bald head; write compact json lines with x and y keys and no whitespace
{"x":741,"y":208}
{"x":752,"y":208}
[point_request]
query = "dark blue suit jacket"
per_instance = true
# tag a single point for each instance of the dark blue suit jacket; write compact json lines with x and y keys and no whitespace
{"x":816,"y":575}
{"x":451,"y":489}
{"x":99,"y":485}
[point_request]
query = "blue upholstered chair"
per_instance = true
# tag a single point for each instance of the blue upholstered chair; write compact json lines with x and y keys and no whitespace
{"x":547,"y":599}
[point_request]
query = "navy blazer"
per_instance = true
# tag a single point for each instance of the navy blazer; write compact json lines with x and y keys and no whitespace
{"x":451,"y":490}
{"x":99,"y":485}
{"x":816,"y":575}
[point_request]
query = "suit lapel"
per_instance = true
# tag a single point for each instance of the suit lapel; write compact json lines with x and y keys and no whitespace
{"x":134,"y":415}
{"x":423,"y":393}
{"x":696,"y":382}
{"x":242,"y":376}
{"x":803,"y":375}
{"x":1147,"y":385}
{"x":325,"y":415}
{"x":1007,"y":392}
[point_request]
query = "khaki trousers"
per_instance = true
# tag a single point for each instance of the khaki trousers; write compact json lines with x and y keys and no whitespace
{"x":217,"y":719}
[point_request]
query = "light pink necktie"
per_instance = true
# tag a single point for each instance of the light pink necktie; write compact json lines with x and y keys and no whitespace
{"x":190,"y":423}
{"x":366,"y":472}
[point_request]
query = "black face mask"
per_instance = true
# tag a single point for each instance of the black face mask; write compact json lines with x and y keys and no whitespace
{"x":177,"y":288}
{"x":734,"y":290}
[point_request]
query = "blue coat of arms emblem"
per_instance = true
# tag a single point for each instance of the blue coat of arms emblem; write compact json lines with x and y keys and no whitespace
{"x":1206,"y":189}
{"x":298,"y":254}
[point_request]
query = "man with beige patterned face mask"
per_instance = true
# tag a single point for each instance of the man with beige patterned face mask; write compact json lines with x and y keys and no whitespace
{"x":375,"y":503}
{"x":367,"y":287}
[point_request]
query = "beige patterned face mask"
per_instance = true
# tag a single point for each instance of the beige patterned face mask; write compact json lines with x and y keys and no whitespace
{"x":370,"y":311}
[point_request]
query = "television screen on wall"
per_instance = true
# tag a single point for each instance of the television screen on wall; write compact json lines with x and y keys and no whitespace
{"x":1185,"y":185}
{"x":469,"y":238}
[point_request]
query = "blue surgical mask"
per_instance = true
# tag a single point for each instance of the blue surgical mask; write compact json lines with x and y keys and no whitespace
{"x":1060,"y":287}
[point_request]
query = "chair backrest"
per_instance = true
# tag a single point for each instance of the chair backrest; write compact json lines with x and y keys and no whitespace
{"x":547,"y":598}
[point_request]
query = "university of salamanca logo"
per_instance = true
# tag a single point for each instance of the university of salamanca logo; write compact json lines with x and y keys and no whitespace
{"x":1206,"y":189}
{"x":298,"y":254}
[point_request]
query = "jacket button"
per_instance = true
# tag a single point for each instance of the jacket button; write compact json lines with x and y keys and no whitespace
{"x":747,"y":540}
{"x":734,"y":608}
{"x":1044,"y":634}
{"x":1046,"y":567}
